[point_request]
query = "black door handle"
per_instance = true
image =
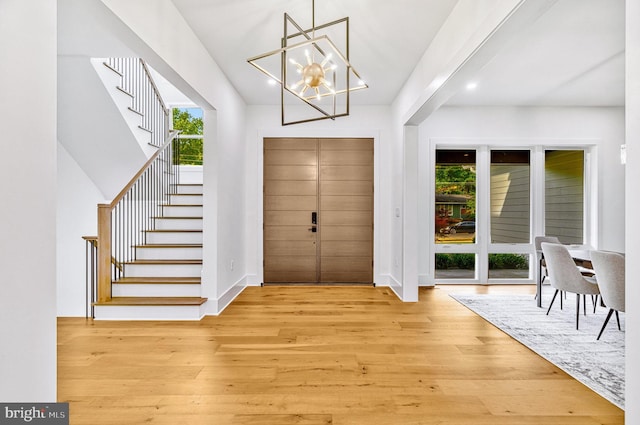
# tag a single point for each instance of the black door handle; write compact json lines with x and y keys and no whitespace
{"x":314,"y":218}
{"x":313,"y":229}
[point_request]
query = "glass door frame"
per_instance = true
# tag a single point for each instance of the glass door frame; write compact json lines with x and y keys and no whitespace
{"x":483,"y":246}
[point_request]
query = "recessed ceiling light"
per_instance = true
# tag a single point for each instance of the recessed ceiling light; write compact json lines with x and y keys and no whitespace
{"x":472,"y":86}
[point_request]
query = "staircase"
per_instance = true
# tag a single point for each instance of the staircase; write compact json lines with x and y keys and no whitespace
{"x":162,"y":282}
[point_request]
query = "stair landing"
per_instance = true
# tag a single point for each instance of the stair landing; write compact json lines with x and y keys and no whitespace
{"x":151,"y":308}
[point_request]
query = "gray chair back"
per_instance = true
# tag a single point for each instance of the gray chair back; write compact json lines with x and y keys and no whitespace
{"x":609,"y":269}
{"x":563,"y":272}
{"x":539,"y":239}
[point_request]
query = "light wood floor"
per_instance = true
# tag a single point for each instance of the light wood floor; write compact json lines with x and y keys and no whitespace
{"x":324,"y":355}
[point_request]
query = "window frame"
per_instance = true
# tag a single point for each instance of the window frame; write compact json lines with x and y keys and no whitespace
{"x":483,"y":246}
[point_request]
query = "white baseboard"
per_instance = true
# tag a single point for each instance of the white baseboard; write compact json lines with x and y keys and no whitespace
{"x":395,"y":286}
{"x":214,"y":307}
{"x":423,"y":280}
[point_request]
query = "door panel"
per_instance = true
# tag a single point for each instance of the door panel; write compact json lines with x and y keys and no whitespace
{"x":286,"y":218}
{"x":292,"y":144}
{"x":346,"y":203}
{"x":292,"y":172}
{"x":291,"y":264}
{"x":333,"y":177}
{"x":290,"y":196}
{"x":291,"y":187}
{"x":342,"y":157}
{"x":288,"y":233}
{"x":290,"y":248}
{"x":346,"y":233}
{"x":345,"y":248}
{"x":290,"y":157}
{"x":290,"y":203}
{"x":346,"y":172}
{"x":347,"y":144}
{"x":346,"y":217}
{"x":341,"y":187}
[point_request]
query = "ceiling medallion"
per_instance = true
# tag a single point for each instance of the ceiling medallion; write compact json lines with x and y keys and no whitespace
{"x":313,"y":70}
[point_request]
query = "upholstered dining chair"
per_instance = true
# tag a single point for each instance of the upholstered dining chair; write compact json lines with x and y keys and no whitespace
{"x":609,"y":269}
{"x":565,"y":276}
{"x":541,"y":262}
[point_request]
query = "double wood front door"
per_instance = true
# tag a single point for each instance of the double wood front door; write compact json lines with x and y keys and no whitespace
{"x":318,"y":210}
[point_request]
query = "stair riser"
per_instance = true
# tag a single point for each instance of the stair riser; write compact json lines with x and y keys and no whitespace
{"x":155,"y":290}
{"x":178,"y":224}
{"x":174,"y":237}
{"x":149,"y":312}
{"x":189,"y":189}
{"x":185,"y":199}
{"x":163,"y":270}
{"x":169,"y":253}
{"x":175,"y":211}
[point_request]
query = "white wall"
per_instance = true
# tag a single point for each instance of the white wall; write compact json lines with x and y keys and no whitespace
{"x":92,"y":128}
{"x":603,"y":127}
{"x":632,"y":374}
{"x":28,"y":193}
{"x":364,"y":121}
{"x":77,"y":202}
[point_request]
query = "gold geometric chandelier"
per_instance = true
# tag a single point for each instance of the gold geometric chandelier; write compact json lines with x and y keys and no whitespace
{"x":315,"y":76}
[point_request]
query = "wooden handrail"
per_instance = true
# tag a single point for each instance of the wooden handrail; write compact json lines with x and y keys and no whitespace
{"x":105,"y":230}
{"x":93,"y":240}
{"x":167,"y":143}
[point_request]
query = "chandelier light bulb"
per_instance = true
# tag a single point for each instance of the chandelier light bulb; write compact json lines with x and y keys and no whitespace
{"x":313,"y":75}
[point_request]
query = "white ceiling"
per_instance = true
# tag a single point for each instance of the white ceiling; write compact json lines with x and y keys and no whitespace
{"x":573,"y":55}
{"x":387,"y":38}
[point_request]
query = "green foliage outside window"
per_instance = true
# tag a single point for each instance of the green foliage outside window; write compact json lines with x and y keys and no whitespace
{"x":190,"y":149}
{"x":496,"y":261}
{"x":458,"y":180}
{"x":455,"y":261}
{"x":508,"y":261}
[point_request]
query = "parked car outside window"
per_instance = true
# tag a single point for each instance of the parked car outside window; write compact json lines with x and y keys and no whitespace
{"x":462,"y":227}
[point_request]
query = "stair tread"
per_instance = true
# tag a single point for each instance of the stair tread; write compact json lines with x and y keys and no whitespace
{"x":174,"y":230}
{"x":158,"y":280}
{"x":165,"y":262}
{"x":186,"y":184}
{"x":170,"y":245}
{"x":181,"y":205}
{"x":178,"y":218}
{"x":153,"y":301}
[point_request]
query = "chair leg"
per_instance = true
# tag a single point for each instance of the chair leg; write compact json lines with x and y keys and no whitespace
{"x":577,"y":310}
{"x":584,"y":303}
{"x":605,"y":322}
{"x":618,"y":320}
{"x":595,"y":302}
{"x":552,"y":300}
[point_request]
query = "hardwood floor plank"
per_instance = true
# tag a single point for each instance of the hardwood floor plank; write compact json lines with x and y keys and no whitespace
{"x":317,"y":355}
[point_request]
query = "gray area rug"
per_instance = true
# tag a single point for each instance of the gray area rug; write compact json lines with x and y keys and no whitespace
{"x":597,"y":364}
